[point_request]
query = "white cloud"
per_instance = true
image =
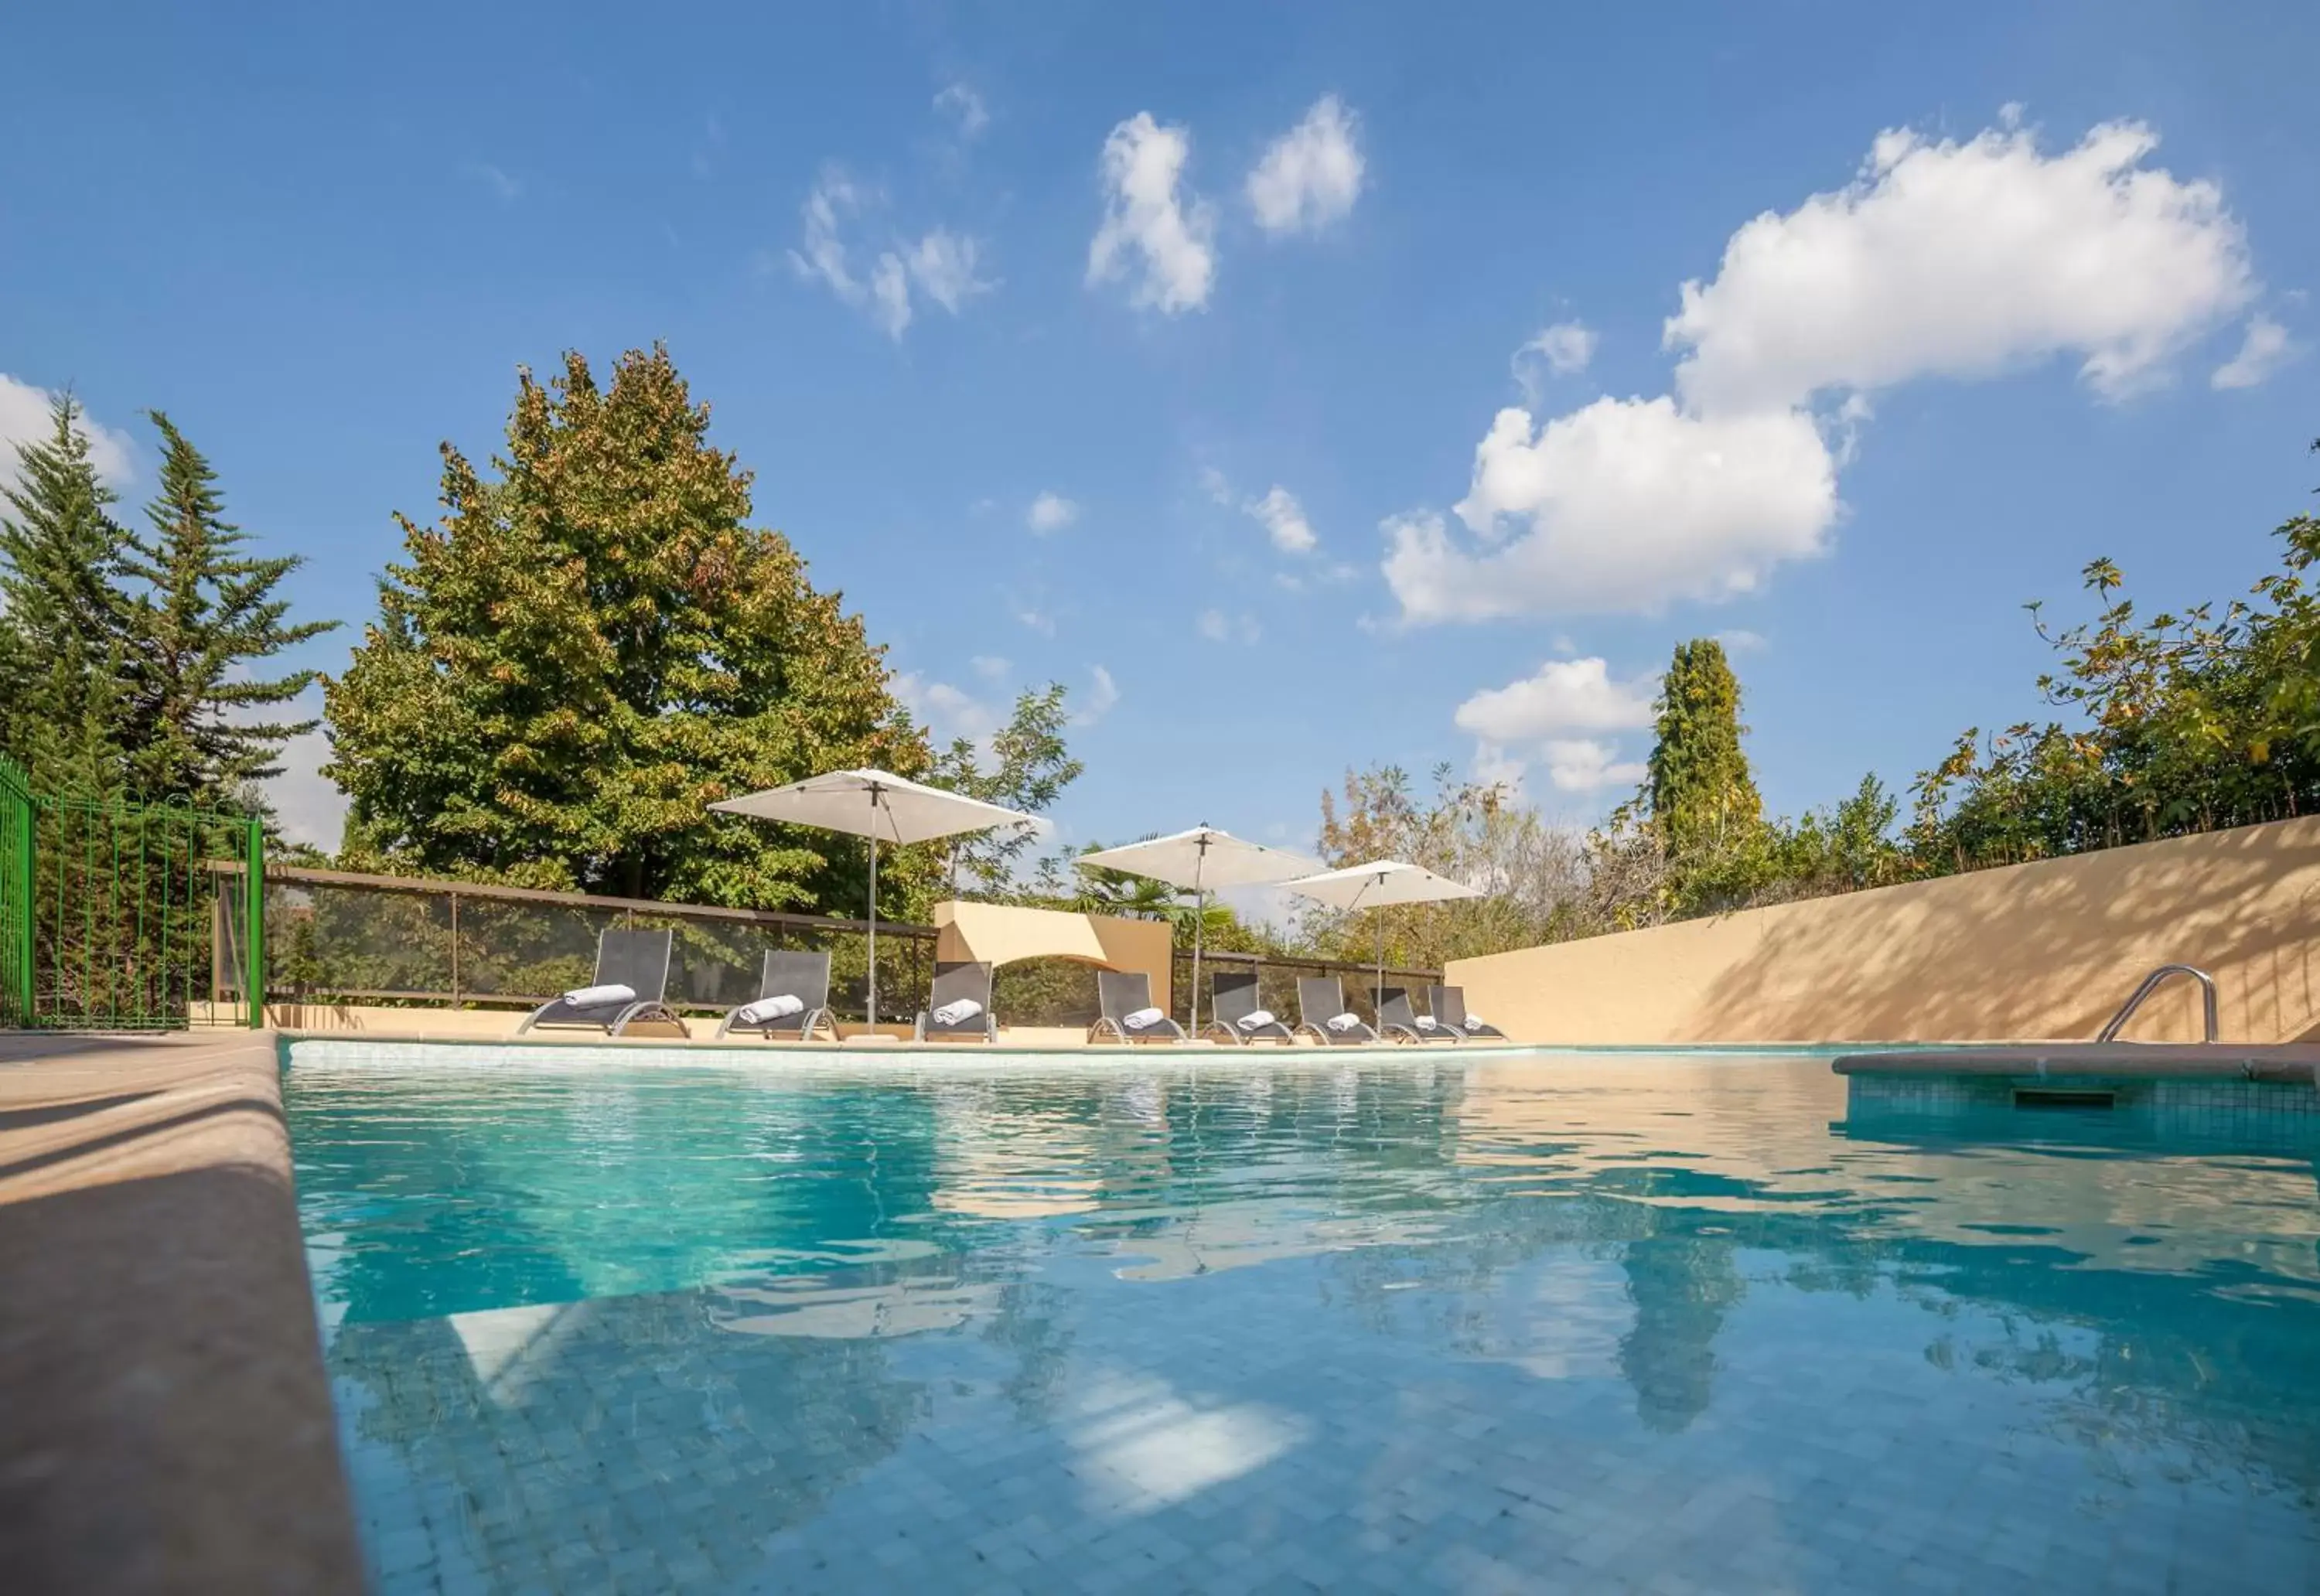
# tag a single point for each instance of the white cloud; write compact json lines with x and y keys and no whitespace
{"x":1035,"y":619}
{"x":990,"y":666}
{"x":942,"y":264}
{"x":2264,"y":350}
{"x":960,"y":103}
{"x":1564,"y":349}
{"x":306,"y":805}
{"x":1213,"y":484}
{"x":1495,"y":767}
{"x":1103,"y":697}
{"x":946,"y":712}
{"x":1283,"y":518}
{"x":1941,"y":260}
{"x":1586,"y":765}
{"x":1739,"y":639}
{"x":507,"y":188}
{"x":1171,"y":239}
{"x":1220,"y":627}
{"x":1564,"y":696}
{"x":1310,"y":176}
{"x":1051,"y":513}
{"x":1965,"y":261}
{"x":1622,"y":506}
{"x":24,"y":418}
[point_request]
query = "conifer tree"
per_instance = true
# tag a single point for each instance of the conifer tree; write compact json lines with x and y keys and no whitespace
{"x":210,"y":613}
{"x":1704,"y":803}
{"x":584,"y":652}
{"x":65,"y":634}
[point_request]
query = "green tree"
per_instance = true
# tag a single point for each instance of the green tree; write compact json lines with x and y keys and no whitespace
{"x":1029,"y":766}
{"x":587,"y":650}
{"x":208,"y":615}
{"x":1703,"y":800}
{"x":66,"y":632}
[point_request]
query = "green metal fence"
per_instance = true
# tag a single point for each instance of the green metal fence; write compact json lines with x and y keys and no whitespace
{"x":116,"y":916}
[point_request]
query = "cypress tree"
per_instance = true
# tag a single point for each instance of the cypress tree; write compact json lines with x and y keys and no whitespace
{"x":210,"y":613}
{"x":1704,"y":801}
{"x":67,"y":630}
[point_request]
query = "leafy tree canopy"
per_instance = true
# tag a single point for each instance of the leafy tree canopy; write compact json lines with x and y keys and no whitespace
{"x":591,"y":645}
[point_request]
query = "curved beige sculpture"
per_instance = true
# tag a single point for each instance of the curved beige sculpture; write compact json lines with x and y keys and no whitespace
{"x":1003,"y":934}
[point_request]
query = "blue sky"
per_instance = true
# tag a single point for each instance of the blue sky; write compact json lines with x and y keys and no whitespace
{"x":1247,"y":294}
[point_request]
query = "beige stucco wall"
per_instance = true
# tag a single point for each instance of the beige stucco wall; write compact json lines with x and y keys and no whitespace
{"x":2040,"y":951}
{"x":1002,"y":934}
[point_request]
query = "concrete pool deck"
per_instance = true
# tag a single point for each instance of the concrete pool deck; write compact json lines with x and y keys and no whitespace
{"x":169,"y":1421}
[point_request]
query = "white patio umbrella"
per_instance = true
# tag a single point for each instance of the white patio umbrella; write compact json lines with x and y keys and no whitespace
{"x":1197,"y":861}
{"x":1379,"y":884}
{"x":873,"y":804}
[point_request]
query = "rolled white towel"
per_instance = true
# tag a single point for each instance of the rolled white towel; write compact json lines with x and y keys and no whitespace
{"x":1343,"y":1022}
{"x":767,"y":1010}
{"x":1143,"y":1019}
{"x":1427,"y":1023}
{"x":957,"y":1012}
{"x":598,"y":997}
{"x":1256,"y":1020}
{"x":1474,"y":1022}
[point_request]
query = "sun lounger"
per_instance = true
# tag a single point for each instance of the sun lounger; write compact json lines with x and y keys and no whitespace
{"x":1124,"y":997}
{"x":959,"y":1004}
{"x":1322,"y":1014}
{"x":1235,"y":1015}
{"x":1397,"y":1018}
{"x":1449,"y":1006}
{"x":632,"y":979}
{"x":792,"y":999}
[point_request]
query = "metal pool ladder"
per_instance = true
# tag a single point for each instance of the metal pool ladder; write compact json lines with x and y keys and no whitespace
{"x":2153,"y":982}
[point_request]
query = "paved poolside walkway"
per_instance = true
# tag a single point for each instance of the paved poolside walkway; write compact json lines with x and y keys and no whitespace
{"x":167,"y":1421}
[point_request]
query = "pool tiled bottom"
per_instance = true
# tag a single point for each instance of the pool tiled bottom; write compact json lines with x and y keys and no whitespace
{"x":1670,"y":1414}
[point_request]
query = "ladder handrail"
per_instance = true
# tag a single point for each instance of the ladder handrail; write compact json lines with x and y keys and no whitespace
{"x":2153,"y":982}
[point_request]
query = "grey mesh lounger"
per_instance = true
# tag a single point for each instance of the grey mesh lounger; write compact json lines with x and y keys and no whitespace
{"x":969,"y":979}
{"x":1120,"y":994}
{"x":1321,"y":999}
{"x":637,"y":960}
{"x":1397,"y":1018}
{"x":804,"y":976}
{"x":1231,"y":1000}
{"x":1449,"y":1006}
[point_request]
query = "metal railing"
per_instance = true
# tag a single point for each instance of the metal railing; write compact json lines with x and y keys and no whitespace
{"x":2153,"y":982}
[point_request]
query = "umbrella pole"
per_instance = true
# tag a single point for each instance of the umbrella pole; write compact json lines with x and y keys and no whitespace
{"x":1200,"y":928}
{"x":1377,"y":998}
{"x":872,"y":1016}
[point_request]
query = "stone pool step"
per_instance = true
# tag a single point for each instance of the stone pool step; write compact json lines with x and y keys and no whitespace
{"x":2294,"y":1062}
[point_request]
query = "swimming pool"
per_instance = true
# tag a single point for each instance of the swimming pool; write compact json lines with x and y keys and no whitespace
{"x":611,"y":1320}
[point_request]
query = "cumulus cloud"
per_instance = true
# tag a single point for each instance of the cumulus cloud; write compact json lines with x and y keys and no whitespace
{"x":1161,"y":238}
{"x":306,"y":805}
{"x":1283,"y":519}
{"x":1623,"y":505}
{"x":963,"y":105}
{"x":1940,"y":259}
{"x":1564,"y":349}
{"x":1220,"y":627}
{"x":1310,"y":176}
{"x":1533,"y":720}
{"x":1739,"y":639}
{"x":1050,"y":512}
{"x":1563,"y":696}
{"x":1965,"y":261}
{"x":2264,"y":350}
{"x":990,"y":668}
{"x":24,"y":418}
{"x":941,"y":263}
{"x":1103,"y":698}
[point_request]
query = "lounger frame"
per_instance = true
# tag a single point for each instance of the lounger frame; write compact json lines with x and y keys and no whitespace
{"x":800,"y":975}
{"x":1314,"y":994}
{"x":964,"y":978}
{"x":635,"y":959}
{"x":1118,"y":994}
{"x":1230,"y":998}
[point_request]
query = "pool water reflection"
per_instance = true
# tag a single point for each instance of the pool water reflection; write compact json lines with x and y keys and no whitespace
{"x":1550,"y":1322}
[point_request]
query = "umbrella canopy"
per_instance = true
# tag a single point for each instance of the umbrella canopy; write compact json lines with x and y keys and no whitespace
{"x":1378,"y":885}
{"x":1199,"y":859}
{"x":873,"y":804}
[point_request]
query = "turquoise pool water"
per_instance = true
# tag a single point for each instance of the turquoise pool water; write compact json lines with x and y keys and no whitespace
{"x":612,"y":1320}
